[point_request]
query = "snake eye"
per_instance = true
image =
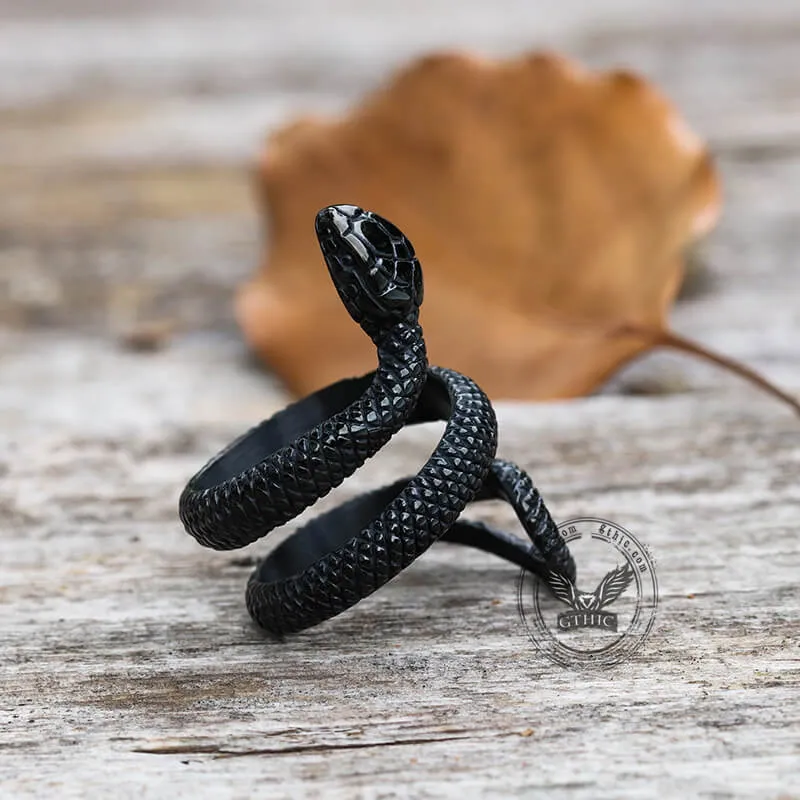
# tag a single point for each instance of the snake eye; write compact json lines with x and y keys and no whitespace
{"x":403,"y":248}
{"x":405,"y":272}
{"x":377,"y":237}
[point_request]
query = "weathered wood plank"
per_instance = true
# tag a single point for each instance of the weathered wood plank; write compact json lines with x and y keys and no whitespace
{"x":128,"y":658}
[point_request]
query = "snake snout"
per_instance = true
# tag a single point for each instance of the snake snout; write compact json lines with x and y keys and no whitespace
{"x":336,"y":222}
{"x":336,"y":231}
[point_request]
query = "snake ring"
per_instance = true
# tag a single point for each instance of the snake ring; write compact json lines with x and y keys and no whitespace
{"x":282,"y":466}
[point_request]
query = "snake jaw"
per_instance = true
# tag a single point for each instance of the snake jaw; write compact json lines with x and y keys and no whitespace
{"x":372,"y":264}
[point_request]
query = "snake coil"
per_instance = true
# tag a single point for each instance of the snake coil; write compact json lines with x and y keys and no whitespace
{"x":279,"y":468}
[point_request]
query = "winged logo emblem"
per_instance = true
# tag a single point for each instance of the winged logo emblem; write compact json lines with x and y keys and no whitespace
{"x":608,"y":590}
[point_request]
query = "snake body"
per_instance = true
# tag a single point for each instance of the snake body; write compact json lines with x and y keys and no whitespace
{"x":281,"y":467}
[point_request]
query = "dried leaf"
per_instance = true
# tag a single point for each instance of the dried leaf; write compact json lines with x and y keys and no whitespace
{"x":550,"y":208}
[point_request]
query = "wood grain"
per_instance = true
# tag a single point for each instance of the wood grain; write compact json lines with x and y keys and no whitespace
{"x":128,"y":665}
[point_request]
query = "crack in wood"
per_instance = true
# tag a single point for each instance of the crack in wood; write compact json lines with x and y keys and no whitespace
{"x":220,"y":751}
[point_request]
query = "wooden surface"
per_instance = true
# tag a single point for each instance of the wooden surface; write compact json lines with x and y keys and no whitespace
{"x":129,"y":667}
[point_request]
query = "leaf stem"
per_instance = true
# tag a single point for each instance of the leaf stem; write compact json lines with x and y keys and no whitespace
{"x":666,"y":338}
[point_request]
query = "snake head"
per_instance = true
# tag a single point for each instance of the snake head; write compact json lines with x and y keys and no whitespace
{"x":372,"y":265}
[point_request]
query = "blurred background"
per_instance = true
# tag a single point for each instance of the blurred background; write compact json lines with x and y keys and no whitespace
{"x":129,"y":130}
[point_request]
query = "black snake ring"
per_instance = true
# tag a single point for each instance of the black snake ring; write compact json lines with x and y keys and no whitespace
{"x":284,"y":465}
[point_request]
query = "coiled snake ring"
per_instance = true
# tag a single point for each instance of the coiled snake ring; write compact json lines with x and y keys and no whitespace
{"x":282,"y":466}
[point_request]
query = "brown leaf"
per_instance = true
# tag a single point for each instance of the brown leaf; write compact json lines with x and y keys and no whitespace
{"x":549,"y":206}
